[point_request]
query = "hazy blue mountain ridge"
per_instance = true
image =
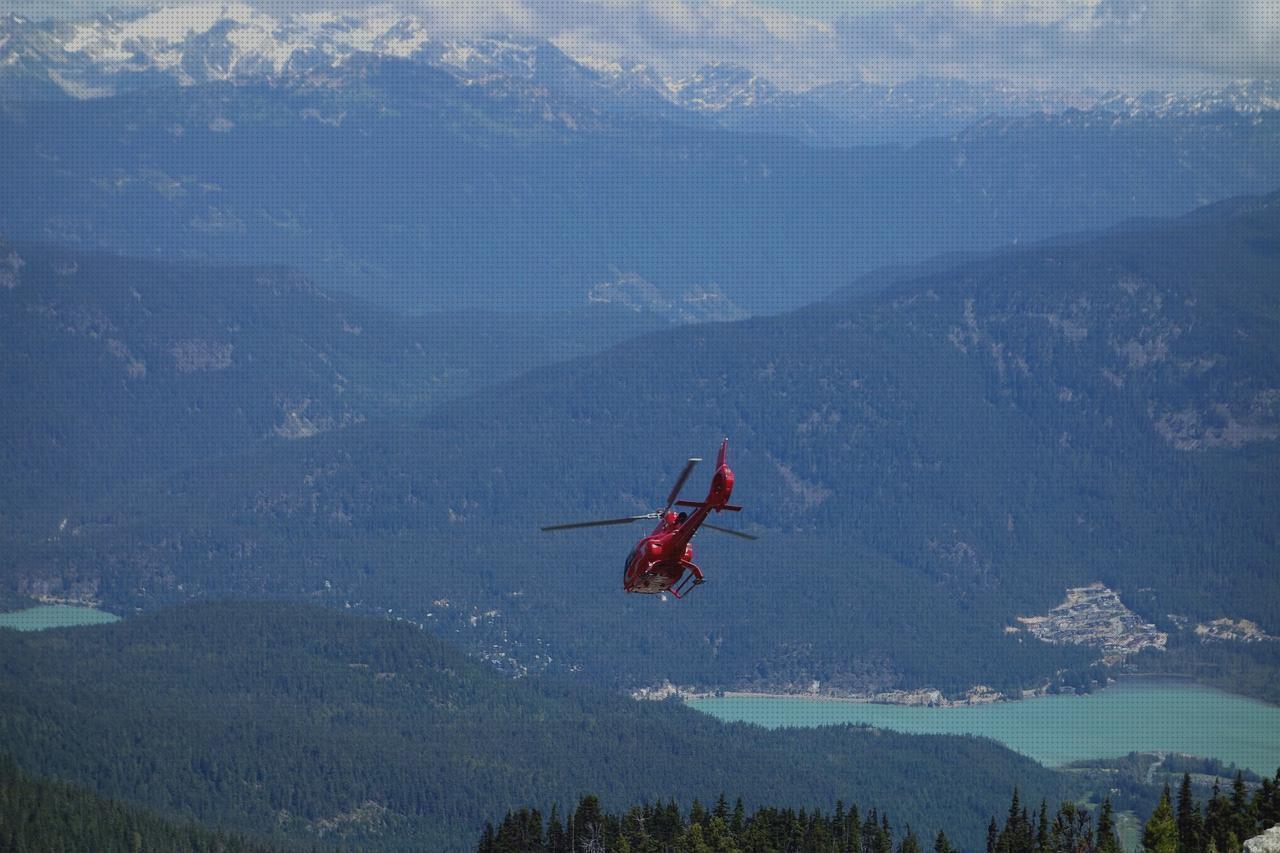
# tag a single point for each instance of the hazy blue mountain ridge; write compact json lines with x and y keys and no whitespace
{"x":924,"y":465}
{"x":422,"y":185}
{"x":117,"y":367}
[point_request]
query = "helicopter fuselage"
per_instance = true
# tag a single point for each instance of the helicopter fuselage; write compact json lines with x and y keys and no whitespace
{"x":663,"y":561}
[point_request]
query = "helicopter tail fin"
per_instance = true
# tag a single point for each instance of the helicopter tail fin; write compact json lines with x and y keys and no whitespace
{"x":722,"y":482}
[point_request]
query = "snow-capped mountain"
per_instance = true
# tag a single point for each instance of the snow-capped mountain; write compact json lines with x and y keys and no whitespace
{"x":236,"y":43}
{"x":1246,"y":98}
{"x":718,"y":88}
{"x":930,"y":106}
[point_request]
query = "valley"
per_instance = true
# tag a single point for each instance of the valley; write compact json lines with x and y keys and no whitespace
{"x":944,"y":436}
{"x":317,"y":326}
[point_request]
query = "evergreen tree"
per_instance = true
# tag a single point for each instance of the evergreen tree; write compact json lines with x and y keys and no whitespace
{"x":941,"y":844}
{"x":1190,"y":823}
{"x":695,"y":841}
{"x":1015,"y":812}
{"x":1072,"y":830}
{"x":718,"y":836}
{"x":884,"y":838}
{"x":1108,"y":838}
{"x":1243,"y":823}
{"x":853,"y":831}
{"x":910,"y":843}
{"x":557,"y":840}
{"x":755,"y":838}
{"x":795,"y":834}
{"x":1217,"y":822}
{"x":818,"y":835}
{"x":668,"y":825}
{"x":1267,"y":802}
{"x":588,"y":822}
{"x":870,"y":831}
{"x":487,"y":840}
{"x":1161,"y":832}
{"x":1017,"y":835}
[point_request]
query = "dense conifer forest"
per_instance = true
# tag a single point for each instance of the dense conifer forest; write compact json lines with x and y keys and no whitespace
{"x":44,"y":816}
{"x":1219,"y":826}
{"x":297,"y":722}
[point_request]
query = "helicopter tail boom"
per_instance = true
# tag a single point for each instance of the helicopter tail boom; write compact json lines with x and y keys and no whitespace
{"x":700,"y":504}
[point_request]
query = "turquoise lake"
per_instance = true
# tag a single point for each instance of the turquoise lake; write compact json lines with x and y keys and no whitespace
{"x":1135,"y":715}
{"x":54,"y":616}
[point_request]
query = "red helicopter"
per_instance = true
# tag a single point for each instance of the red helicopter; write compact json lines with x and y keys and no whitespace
{"x":663,"y":561}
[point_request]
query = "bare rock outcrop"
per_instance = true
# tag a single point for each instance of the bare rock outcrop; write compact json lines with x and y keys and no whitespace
{"x":1267,"y":842}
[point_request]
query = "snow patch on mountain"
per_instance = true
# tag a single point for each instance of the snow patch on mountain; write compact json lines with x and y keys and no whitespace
{"x":238,"y":43}
{"x":694,"y":305}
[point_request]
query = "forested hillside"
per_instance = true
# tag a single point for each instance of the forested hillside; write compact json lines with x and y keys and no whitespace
{"x":309,"y":724}
{"x":924,"y":465}
{"x":117,"y":367}
{"x":38,"y":815}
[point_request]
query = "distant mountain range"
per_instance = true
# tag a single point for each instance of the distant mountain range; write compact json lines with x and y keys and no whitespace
{"x":507,"y":177}
{"x":925,"y":464}
{"x":235,"y":43}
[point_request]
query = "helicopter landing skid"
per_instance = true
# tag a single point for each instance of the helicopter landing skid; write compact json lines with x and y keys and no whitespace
{"x":688,"y":581}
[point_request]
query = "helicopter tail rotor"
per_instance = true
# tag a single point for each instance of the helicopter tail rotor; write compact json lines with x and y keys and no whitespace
{"x":737,"y":533}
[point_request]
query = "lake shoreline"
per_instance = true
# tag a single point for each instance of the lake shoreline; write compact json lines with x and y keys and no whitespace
{"x":927,"y":697}
{"x":1139,"y":714}
{"x":905,"y":698}
{"x":43,"y":617}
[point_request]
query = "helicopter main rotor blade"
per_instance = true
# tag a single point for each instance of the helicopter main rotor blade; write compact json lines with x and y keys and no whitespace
{"x":737,"y":533}
{"x":602,"y":523}
{"x":684,"y":475}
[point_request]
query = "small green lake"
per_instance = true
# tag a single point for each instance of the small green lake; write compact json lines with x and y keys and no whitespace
{"x":1135,"y":715}
{"x":54,"y":616}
